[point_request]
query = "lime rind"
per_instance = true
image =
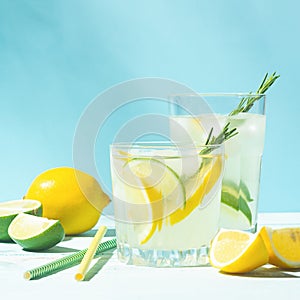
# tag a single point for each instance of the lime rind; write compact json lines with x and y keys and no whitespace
{"x":10,"y":209}
{"x":237,"y":198}
{"x":47,"y":234}
{"x":4,"y":224}
{"x":244,"y":191}
{"x":156,"y":190}
{"x":159,"y":190}
{"x":20,"y":206}
{"x":168,"y":168}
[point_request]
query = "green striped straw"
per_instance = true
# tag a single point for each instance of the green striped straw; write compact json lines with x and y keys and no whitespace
{"x":66,"y":262}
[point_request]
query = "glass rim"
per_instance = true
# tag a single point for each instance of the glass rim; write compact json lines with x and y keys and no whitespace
{"x":217,"y":94}
{"x":162,"y":144}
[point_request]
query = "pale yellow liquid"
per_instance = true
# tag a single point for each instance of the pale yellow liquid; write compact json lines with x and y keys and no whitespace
{"x":243,"y":155}
{"x":192,"y":231}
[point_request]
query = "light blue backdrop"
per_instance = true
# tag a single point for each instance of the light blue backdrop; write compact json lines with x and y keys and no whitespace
{"x":57,"y":55}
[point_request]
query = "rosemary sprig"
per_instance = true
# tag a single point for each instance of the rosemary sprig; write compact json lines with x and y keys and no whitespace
{"x":246,"y":103}
{"x":219,"y":139}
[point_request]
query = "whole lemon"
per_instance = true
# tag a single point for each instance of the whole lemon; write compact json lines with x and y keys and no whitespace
{"x":69,"y":195}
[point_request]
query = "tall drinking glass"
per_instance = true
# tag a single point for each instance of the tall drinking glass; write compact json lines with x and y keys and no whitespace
{"x":198,"y":114}
{"x":166,"y":202}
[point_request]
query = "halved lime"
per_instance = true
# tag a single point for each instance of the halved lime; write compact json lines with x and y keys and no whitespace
{"x":10,"y":209}
{"x":35,"y":233}
{"x":237,"y":197}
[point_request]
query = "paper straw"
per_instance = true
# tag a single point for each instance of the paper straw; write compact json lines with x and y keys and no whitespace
{"x":89,"y":255}
{"x":66,"y":262}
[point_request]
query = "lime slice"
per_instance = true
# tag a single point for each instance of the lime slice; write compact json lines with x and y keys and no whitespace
{"x":35,"y":233}
{"x":237,"y":198}
{"x":232,"y":218}
{"x":159,"y":187}
{"x":244,"y":192}
{"x":10,"y":209}
{"x":151,"y":173}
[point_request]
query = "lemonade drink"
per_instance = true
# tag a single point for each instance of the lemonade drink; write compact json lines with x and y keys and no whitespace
{"x":243,"y":154}
{"x":241,"y":182}
{"x":166,"y":202}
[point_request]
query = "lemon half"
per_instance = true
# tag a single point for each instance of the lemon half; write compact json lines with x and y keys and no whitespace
{"x":235,"y":251}
{"x":283,"y":246}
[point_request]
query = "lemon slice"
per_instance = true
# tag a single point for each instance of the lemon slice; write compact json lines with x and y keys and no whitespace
{"x":204,"y":186}
{"x":283,"y":246}
{"x":10,"y":209}
{"x":35,"y":233}
{"x":159,"y":182}
{"x":159,"y":187}
{"x":235,"y":251}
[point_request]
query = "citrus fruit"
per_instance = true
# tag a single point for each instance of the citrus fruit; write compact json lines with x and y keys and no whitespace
{"x":232,"y":219}
{"x":71,"y":196}
{"x":237,"y":198}
{"x":197,"y":188}
{"x":283,"y":246}
{"x":167,"y":197}
{"x":35,"y":233}
{"x":10,"y":209}
{"x":235,"y":251}
{"x":156,"y":184}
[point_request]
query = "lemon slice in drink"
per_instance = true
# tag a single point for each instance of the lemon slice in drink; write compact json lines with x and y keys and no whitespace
{"x":201,"y":189}
{"x":10,"y":209}
{"x":35,"y":233}
{"x":235,"y":251}
{"x":283,"y":246}
{"x":158,"y":192}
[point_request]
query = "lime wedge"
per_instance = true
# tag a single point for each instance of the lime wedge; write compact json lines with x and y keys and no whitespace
{"x":35,"y":233}
{"x":10,"y":209}
{"x":237,"y":198}
{"x":244,"y":192}
{"x":232,"y":219}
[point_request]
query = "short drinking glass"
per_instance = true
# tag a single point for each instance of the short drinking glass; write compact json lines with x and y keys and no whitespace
{"x":166,"y":202}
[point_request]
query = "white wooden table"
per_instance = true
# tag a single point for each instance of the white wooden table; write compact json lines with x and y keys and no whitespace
{"x":110,"y":279}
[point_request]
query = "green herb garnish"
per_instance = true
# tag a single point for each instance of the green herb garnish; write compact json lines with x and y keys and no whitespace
{"x":245,"y":105}
{"x":222,"y":137}
{"x":247,"y":102}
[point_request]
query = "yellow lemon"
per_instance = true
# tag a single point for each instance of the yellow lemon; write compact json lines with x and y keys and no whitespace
{"x":235,"y":251}
{"x":69,"y":195}
{"x":283,"y":246}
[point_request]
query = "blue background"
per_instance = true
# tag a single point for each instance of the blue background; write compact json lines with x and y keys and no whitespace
{"x":57,"y":55}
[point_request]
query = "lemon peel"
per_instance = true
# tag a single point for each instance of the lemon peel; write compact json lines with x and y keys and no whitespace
{"x":235,"y":251}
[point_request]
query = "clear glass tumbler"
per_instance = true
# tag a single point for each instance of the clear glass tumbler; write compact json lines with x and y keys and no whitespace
{"x":197,"y":114}
{"x":166,"y":202}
